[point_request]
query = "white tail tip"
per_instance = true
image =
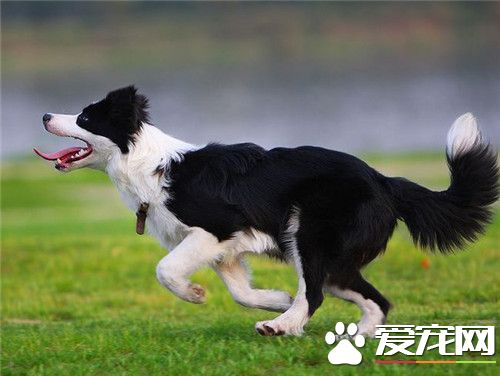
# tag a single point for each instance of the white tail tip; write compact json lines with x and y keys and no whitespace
{"x":463,"y":135}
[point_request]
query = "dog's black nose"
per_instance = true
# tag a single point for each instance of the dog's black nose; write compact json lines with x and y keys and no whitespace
{"x":46,"y":118}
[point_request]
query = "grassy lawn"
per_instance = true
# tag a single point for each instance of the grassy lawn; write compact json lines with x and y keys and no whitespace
{"x":80,"y":297}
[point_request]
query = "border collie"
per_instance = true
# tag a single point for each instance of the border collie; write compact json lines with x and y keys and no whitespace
{"x":326,"y":212}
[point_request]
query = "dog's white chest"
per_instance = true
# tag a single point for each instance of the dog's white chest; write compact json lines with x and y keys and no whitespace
{"x":165,"y":226}
{"x":138,"y":188}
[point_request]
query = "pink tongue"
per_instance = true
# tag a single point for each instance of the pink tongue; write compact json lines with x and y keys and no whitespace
{"x":59,"y":154}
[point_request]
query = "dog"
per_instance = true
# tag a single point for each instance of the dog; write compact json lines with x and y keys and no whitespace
{"x":326,"y":212}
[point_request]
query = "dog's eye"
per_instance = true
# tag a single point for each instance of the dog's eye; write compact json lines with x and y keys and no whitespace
{"x":82,"y":119}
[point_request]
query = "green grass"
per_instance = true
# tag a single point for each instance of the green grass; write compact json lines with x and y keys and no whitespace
{"x":79,"y":294}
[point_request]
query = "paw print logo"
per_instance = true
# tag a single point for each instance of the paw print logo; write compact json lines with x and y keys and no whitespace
{"x":345,"y":352}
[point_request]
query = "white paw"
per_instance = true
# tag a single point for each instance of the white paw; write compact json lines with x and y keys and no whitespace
{"x":368,"y":332}
{"x":276,"y":328}
{"x":368,"y":328}
{"x":195,"y":293}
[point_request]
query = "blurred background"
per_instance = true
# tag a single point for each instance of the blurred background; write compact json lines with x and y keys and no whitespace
{"x":357,"y":77}
{"x":385,"y":80}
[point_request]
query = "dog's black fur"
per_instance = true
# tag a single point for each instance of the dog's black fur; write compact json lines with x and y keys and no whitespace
{"x":347,"y":210}
{"x":118,"y":117}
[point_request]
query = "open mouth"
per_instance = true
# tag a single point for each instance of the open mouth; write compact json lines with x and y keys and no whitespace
{"x":64,"y":158}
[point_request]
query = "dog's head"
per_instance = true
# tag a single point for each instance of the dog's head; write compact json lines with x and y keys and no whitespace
{"x":107,"y":127}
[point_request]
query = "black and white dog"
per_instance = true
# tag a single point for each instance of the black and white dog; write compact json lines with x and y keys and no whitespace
{"x":326,"y":212}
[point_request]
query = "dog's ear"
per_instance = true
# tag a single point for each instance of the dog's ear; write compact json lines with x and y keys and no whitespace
{"x":128,"y":109}
{"x":127,"y":113}
{"x":141,"y":107}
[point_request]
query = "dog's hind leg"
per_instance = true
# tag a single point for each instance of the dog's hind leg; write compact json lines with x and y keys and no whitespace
{"x":236,"y":276}
{"x":370,"y":301}
{"x":294,"y":319}
{"x":303,"y":248}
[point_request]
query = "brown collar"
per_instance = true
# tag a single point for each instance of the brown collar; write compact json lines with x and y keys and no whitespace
{"x":141,"y":214}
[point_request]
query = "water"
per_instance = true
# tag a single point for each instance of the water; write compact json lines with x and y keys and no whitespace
{"x":354,"y":113}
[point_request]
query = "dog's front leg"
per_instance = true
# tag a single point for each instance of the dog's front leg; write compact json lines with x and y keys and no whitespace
{"x":197,"y":249}
{"x":236,"y":276}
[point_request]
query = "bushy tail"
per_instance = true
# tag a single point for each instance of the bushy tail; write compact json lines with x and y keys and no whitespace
{"x":447,"y":220}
